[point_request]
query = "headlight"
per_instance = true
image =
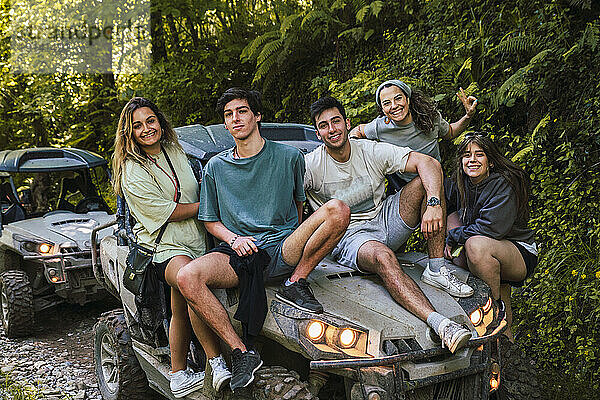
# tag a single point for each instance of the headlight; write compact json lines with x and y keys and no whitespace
{"x":36,"y":247}
{"x":476,"y":317}
{"x":487,"y":305}
{"x":45,"y":248}
{"x":347,"y":337}
{"x":315,"y":330}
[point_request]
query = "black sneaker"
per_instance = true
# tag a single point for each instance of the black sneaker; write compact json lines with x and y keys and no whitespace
{"x":299,"y":295}
{"x":243,"y":366}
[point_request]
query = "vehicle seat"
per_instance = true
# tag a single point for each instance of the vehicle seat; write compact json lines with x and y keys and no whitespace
{"x":15,"y":211}
{"x":67,"y":186}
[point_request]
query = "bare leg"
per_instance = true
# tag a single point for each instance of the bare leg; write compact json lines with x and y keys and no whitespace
{"x":505,"y":290}
{"x":195,"y":280}
{"x":453,"y":221}
{"x":179,"y":328}
{"x":376,"y":257}
{"x":412,"y":207}
{"x":493,"y":260}
{"x":315,"y":238}
{"x":490,"y":259}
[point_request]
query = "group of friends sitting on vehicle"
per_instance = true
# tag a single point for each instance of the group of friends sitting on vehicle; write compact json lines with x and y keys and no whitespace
{"x":251,"y":201}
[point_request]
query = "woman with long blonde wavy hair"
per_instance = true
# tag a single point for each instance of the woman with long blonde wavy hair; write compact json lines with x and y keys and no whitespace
{"x":152,"y":173}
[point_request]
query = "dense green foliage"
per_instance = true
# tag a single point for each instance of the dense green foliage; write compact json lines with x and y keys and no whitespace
{"x":533,"y":65}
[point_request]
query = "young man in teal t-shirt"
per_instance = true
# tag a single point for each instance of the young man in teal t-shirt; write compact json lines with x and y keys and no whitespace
{"x":252,"y":197}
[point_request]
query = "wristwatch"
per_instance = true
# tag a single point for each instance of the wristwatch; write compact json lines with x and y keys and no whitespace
{"x":433,"y":201}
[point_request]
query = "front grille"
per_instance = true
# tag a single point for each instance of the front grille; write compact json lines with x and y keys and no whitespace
{"x":71,"y":250}
{"x":391,"y":347}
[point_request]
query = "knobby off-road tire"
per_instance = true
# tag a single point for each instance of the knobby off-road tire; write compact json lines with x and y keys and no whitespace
{"x":518,"y":379}
{"x":16,"y":302}
{"x":119,"y":374}
{"x":279,"y":383}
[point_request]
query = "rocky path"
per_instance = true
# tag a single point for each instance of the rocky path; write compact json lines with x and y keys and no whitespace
{"x":57,"y":357}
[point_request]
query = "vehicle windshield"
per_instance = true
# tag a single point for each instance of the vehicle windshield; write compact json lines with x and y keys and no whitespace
{"x":76,"y":190}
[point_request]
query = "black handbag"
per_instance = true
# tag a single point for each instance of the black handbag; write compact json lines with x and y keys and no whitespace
{"x":136,"y":265}
{"x":139,"y":260}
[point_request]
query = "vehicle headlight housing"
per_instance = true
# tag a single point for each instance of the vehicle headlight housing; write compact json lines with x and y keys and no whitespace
{"x":315,"y":330}
{"x":30,"y":246}
{"x":482,"y":317}
{"x":345,"y":339}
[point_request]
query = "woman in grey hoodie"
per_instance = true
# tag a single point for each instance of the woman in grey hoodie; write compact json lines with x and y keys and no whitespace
{"x":490,"y":194}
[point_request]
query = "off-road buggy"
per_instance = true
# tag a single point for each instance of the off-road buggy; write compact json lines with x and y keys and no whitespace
{"x":50,"y":203}
{"x":364,"y":346}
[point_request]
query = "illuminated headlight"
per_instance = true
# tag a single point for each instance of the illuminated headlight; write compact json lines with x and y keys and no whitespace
{"x":45,"y":248}
{"x":335,"y":339}
{"x":476,"y":317}
{"x":55,"y":275}
{"x":315,"y":330}
{"x":36,"y":247}
{"x":348,"y":337}
{"x":488,"y":305}
{"x":495,"y":377}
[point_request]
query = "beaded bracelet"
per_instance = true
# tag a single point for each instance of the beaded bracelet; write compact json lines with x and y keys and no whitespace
{"x":232,"y":241}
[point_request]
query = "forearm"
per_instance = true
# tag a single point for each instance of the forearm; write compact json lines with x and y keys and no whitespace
{"x":458,"y":127}
{"x":219,"y":231}
{"x":300,"y":208}
{"x":184,"y":211}
{"x":430,"y":172}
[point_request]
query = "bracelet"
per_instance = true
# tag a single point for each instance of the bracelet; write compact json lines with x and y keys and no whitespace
{"x":232,"y":241}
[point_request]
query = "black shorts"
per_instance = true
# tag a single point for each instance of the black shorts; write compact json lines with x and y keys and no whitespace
{"x":531,"y":261}
{"x":161,"y":268}
{"x":276,"y":272}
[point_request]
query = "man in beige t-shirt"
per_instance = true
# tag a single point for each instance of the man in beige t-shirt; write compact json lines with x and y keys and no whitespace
{"x":354,"y":171}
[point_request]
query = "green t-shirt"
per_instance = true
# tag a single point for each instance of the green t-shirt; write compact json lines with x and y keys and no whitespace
{"x":255,"y":196}
{"x":150,"y":194}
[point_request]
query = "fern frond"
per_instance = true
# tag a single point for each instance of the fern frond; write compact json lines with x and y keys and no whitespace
{"x":253,"y":49}
{"x":583,"y":4}
{"x":518,"y":45}
{"x":314,"y":15}
{"x":288,"y":22}
{"x":522,"y":153}
{"x":515,"y":86}
{"x":591,"y":35}
{"x":542,"y":124}
{"x":266,"y":59}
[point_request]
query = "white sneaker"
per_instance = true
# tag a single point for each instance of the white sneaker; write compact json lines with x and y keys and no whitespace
{"x":446,"y":281}
{"x":184,"y":382}
{"x":453,"y":335}
{"x":220,"y":373}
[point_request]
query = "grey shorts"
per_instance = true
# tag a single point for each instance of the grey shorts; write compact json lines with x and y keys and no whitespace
{"x":278,"y":270}
{"x":387,"y":228}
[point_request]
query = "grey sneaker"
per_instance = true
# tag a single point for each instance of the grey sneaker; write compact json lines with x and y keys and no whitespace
{"x":447,"y":282}
{"x":186,"y":381}
{"x":299,"y":295}
{"x":243,"y":366}
{"x":220,"y":373}
{"x":453,"y":335}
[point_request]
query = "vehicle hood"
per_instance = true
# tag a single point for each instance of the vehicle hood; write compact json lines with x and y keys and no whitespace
{"x":363,"y":299}
{"x":62,"y":226}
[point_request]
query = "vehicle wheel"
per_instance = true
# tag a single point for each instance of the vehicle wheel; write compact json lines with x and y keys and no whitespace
{"x":280,"y":383}
{"x":518,"y":378}
{"x":119,"y":374}
{"x":16,"y":303}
